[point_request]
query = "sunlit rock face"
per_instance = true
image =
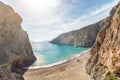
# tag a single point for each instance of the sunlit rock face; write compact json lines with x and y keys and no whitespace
{"x":15,"y":49}
{"x":106,"y":50}
{"x":84,"y":37}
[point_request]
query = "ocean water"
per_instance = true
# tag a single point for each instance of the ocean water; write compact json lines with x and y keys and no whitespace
{"x":48,"y":53}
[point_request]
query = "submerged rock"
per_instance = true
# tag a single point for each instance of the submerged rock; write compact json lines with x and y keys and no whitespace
{"x":15,"y":49}
{"x":104,"y":63}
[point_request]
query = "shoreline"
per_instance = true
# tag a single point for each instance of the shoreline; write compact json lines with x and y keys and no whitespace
{"x":59,"y":62}
{"x":70,"y":69}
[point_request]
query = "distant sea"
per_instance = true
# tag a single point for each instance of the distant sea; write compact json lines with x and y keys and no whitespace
{"x":48,"y":53}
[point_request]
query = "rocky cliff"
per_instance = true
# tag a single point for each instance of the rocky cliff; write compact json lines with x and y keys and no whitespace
{"x":84,"y":37}
{"x":104,"y":63}
{"x":15,"y":48}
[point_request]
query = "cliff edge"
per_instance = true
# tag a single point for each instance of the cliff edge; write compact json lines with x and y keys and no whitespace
{"x":104,"y":63}
{"x":15,"y":49}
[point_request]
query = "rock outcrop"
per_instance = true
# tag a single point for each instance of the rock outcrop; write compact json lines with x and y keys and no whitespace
{"x":104,"y":63}
{"x":15,"y":49}
{"x":84,"y":37}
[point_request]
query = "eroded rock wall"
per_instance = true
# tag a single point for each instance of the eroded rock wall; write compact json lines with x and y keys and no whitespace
{"x":15,"y":49}
{"x":105,"y":59}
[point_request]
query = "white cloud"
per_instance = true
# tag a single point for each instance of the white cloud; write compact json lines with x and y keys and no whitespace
{"x":88,"y":18}
{"x":45,"y":19}
{"x":83,"y":20}
{"x":40,"y":11}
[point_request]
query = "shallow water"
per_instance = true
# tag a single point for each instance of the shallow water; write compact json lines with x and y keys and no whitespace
{"x":48,"y":53}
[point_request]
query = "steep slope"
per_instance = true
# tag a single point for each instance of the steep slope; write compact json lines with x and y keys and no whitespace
{"x":84,"y":37}
{"x":15,"y":48}
{"x":104,"y":63}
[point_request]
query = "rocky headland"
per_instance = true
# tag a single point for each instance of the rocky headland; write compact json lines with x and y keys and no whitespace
{"x":15,"y":49}
{"x":84,"y":37}
{"x":104,"y":63}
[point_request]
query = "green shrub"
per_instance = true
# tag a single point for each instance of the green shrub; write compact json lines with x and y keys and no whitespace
{"x":109,"y":76}
{"x":119,"y":8}
{"x":96,"y":69}
{"x":3,"y":66}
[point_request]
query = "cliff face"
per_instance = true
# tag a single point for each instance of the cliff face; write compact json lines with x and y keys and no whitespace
{"x":104,"y":63}
{"x":84,"y":37}
{"x":15,"y":48}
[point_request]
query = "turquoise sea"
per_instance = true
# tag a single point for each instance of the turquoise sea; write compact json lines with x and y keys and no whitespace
{"x":48,"y":53}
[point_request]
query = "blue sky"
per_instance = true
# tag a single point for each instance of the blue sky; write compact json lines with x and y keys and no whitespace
{"x":46,"y":19}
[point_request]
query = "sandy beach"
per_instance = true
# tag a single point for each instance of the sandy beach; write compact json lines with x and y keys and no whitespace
{"x":71,"y":69}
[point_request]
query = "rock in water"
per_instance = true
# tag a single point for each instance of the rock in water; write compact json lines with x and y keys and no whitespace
{"x":15,"y":49}
{"x":104,"y":63}
{"x":84,"y":37}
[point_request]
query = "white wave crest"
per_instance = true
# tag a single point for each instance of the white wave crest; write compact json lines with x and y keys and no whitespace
{"x":40,"y":59}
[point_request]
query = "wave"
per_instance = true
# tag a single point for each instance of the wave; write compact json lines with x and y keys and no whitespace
{"x":40,"y":59}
